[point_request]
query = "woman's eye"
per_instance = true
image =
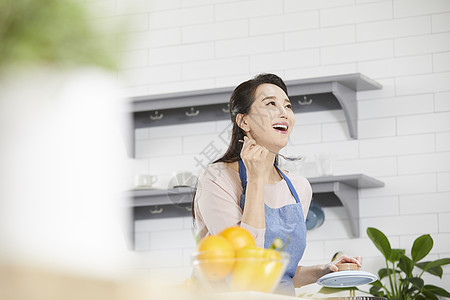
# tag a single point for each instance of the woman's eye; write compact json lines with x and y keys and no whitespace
{"x":270,"y":103}
{"x":289,"y":106}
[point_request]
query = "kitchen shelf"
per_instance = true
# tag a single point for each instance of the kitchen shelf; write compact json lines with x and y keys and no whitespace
{"x":328,"y":191}
{"x":307,"y":95}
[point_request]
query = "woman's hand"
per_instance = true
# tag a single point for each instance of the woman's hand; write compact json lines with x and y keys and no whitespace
{"x":331,"y":267}
{"x":255,"y":158}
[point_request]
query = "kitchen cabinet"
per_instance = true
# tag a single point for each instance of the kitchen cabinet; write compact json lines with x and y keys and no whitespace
{"x":307,"y":95}
{"x":328,"y":191}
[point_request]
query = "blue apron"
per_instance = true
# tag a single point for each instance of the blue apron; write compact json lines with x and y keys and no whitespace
{"x":287,"y":223}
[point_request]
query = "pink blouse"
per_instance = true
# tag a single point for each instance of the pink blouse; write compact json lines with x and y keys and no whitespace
{"x":219,"y":189}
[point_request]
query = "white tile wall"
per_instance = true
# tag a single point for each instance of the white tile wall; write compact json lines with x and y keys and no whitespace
{"x":404,"y":128}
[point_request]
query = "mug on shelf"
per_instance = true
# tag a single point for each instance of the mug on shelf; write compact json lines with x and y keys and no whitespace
{"x":144,"y":180}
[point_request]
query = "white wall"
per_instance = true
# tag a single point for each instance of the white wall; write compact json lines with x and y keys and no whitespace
{"x":404,"y":129}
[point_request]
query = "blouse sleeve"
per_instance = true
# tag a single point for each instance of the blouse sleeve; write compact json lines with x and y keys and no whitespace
{"x":217,"y":202}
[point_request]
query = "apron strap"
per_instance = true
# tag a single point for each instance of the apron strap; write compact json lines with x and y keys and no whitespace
{"x":243,"y":177}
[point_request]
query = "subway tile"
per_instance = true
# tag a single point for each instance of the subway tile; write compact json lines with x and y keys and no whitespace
{"x":314,"y":250}
{"x":181,"y":53}
{"x":424,"y":163}
{"x":181,"y":86}
{"x":141,"y":134}
{"x":387,"y":90}
{"x":320,"y":71}
{"x":141,"y":241}
{"x":424,"y":44}
{"x":351,"y":247}
{"x":435,"y":122}
{"x":211,"y":145}
{"x":214,"y":31}
{"x":178,"y":130}
{"x":357,"y":52}
{"x":139,"y":6}
{"x":378,"y":206}
{"x":134,"y":91}
{"x":320,"y":37}
{"x":181,"y":17}
{"x":383,"y":166}
{"x":400,"y":66}
{"x":444,"y":222}
{"x":403,"y":225}
{"x":418,"y":84}
{"x":440,"y":22}
{"x":399,"y":145}
{"x":374,"y":128}
{"x":443,"y":141}
{"x":335,"y":132}
{"x":158,"y":147}
{"x":134,"y":59}
{"x":304,"y":5}
{"x":188,"y":222}
{"x":319,"y":117}
{"x":356,"y":14}
{"x":393,"y":28}
{"x":161,"y":258}
{"x":213,"y":68}
{"x":154,"y":38}
{"x":408,"y":8}
{"x":402,"y":185}
{"x":284,"y":23}
{"x":247,"y":9}
{"x":149,"y":75}
{"x":235,"y":79}
{"x":284,"y":60}
{"x":331,"y":230}
{"x":188,"y":3}
{"x":304,"y":134}
{"x":392,"y":107}
{"x":158,"y":224}
{"x":443,"y":180}
{"x":249,"y":46}
{"x":441,"y":62}
{"x":424,"y":203}
{"x":174,"y":163}
{"x":171,"y":239}
{"x":342,"y":149}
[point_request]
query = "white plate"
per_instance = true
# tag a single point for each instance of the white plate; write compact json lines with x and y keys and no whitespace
{"x":346,"y":279}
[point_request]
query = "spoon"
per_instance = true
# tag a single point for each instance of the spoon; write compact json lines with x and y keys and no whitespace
{"x":283,"y":156}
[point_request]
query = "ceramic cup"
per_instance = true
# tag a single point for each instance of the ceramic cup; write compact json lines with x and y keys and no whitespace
{"x":324,"y":163}
{"x":144,"y":180}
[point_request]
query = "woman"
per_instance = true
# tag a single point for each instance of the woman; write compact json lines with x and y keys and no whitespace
{"x":245,"y":187}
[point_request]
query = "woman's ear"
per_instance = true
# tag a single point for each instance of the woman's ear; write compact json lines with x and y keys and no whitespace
{"x":241,"y":121}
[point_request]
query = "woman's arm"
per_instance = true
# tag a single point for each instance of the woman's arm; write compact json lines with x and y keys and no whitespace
{"x":309,"y":274}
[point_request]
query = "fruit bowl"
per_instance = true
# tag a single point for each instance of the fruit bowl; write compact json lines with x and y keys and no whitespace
{"x":252,"y":269}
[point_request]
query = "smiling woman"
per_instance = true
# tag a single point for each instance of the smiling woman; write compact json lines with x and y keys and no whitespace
{"x":245,"y":187}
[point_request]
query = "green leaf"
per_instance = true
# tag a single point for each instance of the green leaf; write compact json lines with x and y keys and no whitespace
{"x":430,"y":296}
{"x":435,"y":290}
{"x":438,"y":262}
{"x":396,"y":254}
{"x":416,"y":282}
{"x":380,"y":241}
{"x":436,"y":271}
{"x":421,"y":297}
{"x":406,"y":265}
{"x":376,"y":291}
{"x":421,"y":247}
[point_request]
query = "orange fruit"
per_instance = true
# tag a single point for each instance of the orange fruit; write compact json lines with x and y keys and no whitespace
{"x":238,"y":237}
{"x":215,"y":256}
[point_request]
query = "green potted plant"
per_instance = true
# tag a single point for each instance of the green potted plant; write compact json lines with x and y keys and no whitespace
{"x":403,"y":274}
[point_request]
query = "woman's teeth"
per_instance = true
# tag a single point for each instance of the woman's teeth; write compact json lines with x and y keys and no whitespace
{"x":280,"y":127}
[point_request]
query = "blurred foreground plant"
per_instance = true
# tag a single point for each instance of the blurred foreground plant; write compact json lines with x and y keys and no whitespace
{"x":52,"y":32}
{"x":403,"y":283}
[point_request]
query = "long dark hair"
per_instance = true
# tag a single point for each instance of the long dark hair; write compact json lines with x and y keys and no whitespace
{"x":241,"y":100}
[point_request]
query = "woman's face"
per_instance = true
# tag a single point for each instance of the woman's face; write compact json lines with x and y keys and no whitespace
{"x":270,"y":119}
